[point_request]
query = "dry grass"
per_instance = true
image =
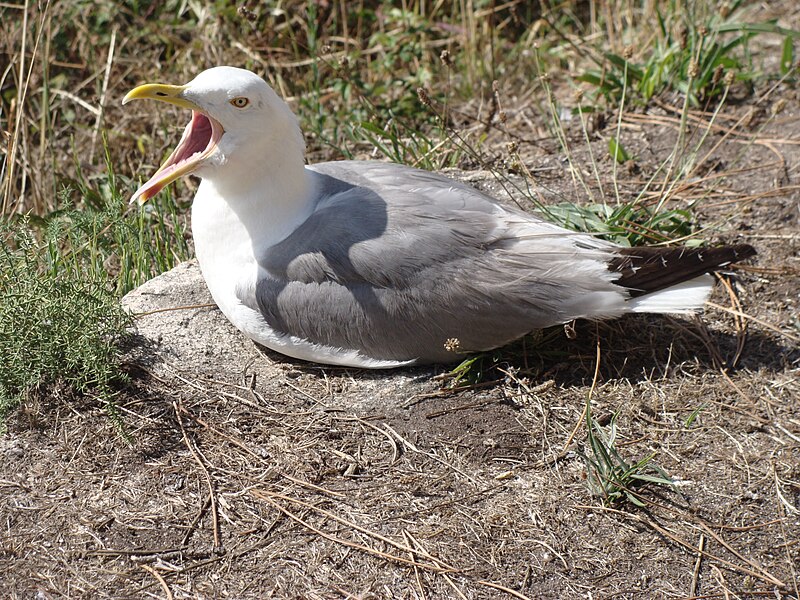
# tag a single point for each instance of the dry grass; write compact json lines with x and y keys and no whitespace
{"x":287,"y":490}
{"x":309,"y":483}
{"x":68,"y":67}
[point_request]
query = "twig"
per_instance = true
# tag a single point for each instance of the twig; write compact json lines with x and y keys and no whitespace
{"x":721,"y":581}
{"x":453,"y":585}
{"x":231,"y":439}
{"x":741,"y":393}
{"x":77,"y":100}
{"x":741,"y":324}
{"x":264,"y":494}
{"x":430,"y":455}
{"x":701,"y":544}
{"x":742,"y":137}
{"x":22,"y":92}
{"x":383,"y":432}
{"x":142,"y":552}
{"x":311,"y":486}
{"x":589,"y":398}
{"x":420,"y":549}
{"x":503,"y":588}
{"x":787,"y":506}
{"x":701,"y":333}
{"x":754,"y":319}
{"x":787,"y":509}
{"x":460,"y":407}
{"x":212,"y":495}
{"x":160,"y":579}
{"x":416,"y":569}
{"x":104,"y":91}
{"x":171,"y":308}
{"x":555,"y":553}
{"x":195,"y":521}
{"x":268,"y":497}
{"x":757,"y":571}
{"x":750,"y":527}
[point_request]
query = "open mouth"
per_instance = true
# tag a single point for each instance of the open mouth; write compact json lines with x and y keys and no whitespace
{"x":199,"y":141}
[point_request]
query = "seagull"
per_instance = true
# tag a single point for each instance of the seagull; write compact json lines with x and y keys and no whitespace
{"x":378,"y":265}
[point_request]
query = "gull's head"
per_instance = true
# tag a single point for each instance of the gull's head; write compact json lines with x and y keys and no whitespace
{"x":237,"y":120}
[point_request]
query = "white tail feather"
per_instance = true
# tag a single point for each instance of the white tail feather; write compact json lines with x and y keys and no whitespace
{"x":686,"y":297}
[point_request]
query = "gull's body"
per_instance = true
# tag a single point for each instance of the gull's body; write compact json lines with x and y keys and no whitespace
{"x":377,"y":265}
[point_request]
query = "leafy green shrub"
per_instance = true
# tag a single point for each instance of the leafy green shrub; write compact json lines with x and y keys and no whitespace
{"x":61,"y":277}
{"x":58,"y":322}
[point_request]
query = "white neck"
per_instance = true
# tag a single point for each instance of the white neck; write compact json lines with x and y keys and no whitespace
{"x":268,"y":207}
{"x":254,"y":193}
{"x":234,"y":226}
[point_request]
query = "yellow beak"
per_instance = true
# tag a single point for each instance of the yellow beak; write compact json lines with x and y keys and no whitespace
{"x":160,"y":91}
{"x":199,"y":140}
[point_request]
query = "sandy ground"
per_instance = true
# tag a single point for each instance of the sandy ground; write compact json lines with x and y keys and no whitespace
{"x":242,"y":474}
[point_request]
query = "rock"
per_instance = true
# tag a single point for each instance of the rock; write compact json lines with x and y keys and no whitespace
{"x":176,"y":318}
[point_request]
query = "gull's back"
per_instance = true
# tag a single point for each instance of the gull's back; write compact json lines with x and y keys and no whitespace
{"x":396,"y":261}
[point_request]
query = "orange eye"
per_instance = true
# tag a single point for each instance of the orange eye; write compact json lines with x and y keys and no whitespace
{"x":240,"y":102}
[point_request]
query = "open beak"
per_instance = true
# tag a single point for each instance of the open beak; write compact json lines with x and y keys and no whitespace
{"x":199,"y":140}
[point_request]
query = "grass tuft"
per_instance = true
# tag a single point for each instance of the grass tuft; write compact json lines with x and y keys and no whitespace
{"x":59,"y":320}
{"x":611,"y":477}
{"x":688,"y":54}
{"x":61,"y":276}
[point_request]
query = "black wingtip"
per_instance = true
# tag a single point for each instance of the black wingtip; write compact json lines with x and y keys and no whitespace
{"x":644,"y":270}
{"x":742,"y":252}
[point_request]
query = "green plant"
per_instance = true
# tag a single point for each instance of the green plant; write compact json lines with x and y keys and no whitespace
{"x":610,"y":476}
{"x":400,"y":143}
{"x":61,"y":276}
{"x":626,"y":224}
{"x":689,"y":421}
{"x":688,"y":54}
{"x":474,"y":368}
{"x":59,"y":320}
{"x":128,"y":243}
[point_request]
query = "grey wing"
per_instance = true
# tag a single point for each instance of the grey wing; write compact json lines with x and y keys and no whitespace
{"x":396,"y":261}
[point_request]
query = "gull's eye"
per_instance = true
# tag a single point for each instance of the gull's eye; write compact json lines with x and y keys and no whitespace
{"x":240,"y":102}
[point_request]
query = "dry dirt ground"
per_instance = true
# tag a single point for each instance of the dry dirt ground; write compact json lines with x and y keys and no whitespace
{"x":247,"y":475}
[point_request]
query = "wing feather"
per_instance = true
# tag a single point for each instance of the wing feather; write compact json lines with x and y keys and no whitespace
{"x":396,"y":261}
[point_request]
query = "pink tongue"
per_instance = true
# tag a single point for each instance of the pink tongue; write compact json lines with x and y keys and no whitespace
{"x":198,"y":134}
{"x":195,"y":139}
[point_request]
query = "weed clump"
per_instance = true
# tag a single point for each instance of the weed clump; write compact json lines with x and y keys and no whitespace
{"x":58,"y":322}
{"x":689,"y":53}
{"x":612,"y":478}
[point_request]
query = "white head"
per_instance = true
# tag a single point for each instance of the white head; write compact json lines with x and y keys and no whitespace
{"x":239,"y":124}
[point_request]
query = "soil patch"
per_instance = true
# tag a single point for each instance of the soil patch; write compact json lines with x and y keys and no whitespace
{"x":247,"y":475}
